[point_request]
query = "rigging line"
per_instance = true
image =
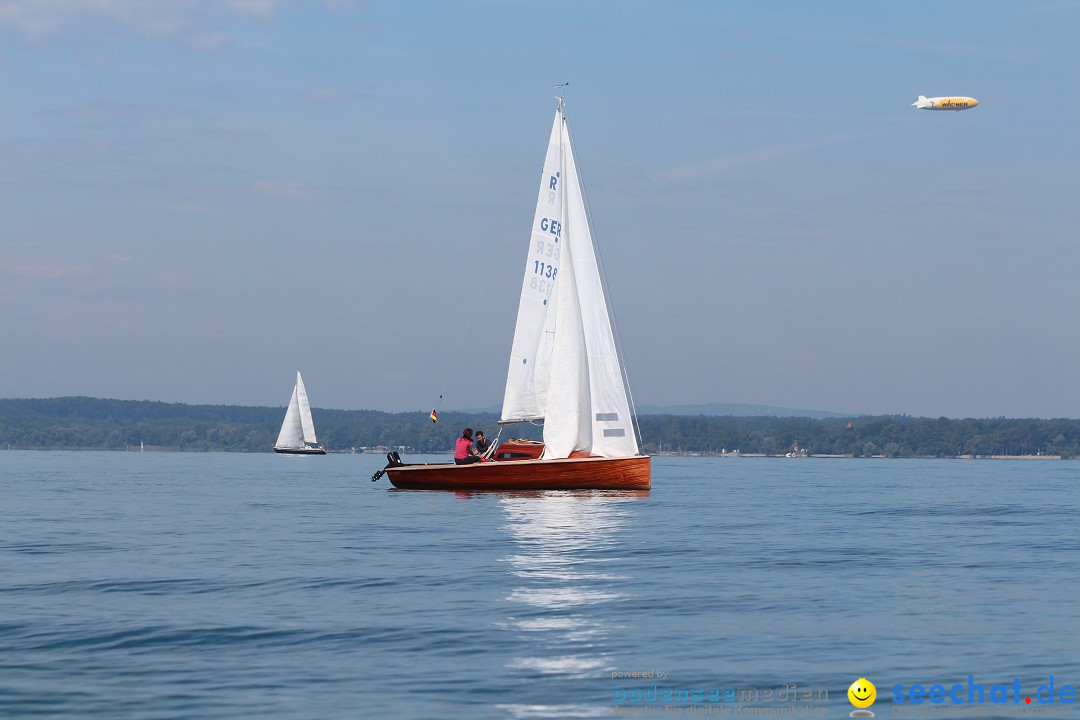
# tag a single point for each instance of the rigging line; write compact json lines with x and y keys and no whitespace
{"x":462,"y":337}
{"x":476,"y":301}
{"x":494,"y":444}
{"x":619,"y":349}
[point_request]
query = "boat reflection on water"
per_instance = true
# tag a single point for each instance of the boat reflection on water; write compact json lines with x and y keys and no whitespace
{"x":566,"y":574}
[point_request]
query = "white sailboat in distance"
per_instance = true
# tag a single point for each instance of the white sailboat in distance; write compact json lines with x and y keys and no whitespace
{"x":297,"y":436}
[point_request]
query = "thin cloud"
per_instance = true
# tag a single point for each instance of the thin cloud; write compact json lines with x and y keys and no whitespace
{"x":263,"y":8}
{"x":282,"y":190}
{"x":723,"y":165}
{"x":57,"y":269}
{"x":207,"y":42}
{"x":50,"y":271}
{"x":37,"y":18}
{"x":174,"y":276}
{"x":1056,"y":7}
{"x":328,"y":96}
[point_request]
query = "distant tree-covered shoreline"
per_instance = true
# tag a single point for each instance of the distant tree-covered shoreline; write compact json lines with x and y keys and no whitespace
{"x":867,"y":436}
{"x":82,"y":423}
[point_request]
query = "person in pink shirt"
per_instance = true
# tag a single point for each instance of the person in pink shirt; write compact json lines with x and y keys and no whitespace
{"x":463,"y":451}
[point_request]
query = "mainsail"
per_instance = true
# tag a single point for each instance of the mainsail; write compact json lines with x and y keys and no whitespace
{"x":527,"y":379}
{"x":564,"y":326}
{"x":291,"y":435}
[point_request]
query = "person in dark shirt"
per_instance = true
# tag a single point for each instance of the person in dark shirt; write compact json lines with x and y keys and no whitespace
{"x":482,"y":443}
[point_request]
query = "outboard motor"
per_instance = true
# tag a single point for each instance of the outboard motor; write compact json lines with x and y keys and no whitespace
{"x":392,"y":460}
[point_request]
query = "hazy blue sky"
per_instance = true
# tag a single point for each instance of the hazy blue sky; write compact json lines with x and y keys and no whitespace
{"x":198,"y":197}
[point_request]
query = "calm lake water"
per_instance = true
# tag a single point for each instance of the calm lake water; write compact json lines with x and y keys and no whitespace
{"x":153,"y":585}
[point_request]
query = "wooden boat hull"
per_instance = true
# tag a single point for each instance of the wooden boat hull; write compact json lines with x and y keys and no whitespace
{"x":301,"y":451}
{"x":587,"y":473}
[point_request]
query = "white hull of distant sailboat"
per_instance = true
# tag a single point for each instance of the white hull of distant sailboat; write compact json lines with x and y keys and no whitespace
{"x":297,"y":436}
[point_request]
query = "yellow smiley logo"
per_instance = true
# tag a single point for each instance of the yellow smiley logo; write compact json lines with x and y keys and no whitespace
{"x":862,"y":693}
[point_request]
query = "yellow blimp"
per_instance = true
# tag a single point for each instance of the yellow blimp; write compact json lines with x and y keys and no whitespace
{"x":955,"y":103}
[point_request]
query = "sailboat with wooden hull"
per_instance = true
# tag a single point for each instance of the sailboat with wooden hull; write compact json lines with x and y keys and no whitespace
{"x":297,"y":436}
{"x":565,"y":366}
